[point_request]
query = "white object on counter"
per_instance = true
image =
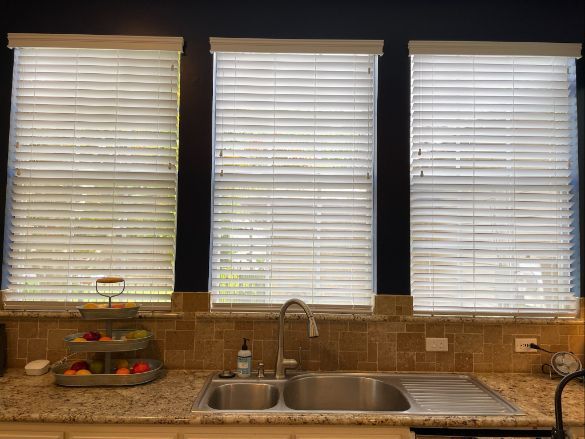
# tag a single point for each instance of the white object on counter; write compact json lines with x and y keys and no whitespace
{"x":37,"y":367}
{"x":244,"y":363}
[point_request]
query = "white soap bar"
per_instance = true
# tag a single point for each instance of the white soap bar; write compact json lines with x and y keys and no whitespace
{"x":37,"y":367}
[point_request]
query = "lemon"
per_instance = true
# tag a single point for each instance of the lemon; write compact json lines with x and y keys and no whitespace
{"x":90,"y":306}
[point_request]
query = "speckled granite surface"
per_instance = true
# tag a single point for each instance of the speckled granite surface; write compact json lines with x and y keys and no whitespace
{"x":169,"y":399}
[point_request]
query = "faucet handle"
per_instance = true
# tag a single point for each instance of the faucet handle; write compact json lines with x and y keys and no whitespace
{"x":260,"y":370}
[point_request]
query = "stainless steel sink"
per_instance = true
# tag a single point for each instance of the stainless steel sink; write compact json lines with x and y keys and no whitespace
{"x":343,"y":392}
{"x":392,"y":393}
{"x":243,"y":396}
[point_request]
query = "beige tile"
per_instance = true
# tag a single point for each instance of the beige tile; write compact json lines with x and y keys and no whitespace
{"x":473,"y":328}
{"x":213,"y":354}
{"x":410,"y":342}
{"x":549,"y":334}
{"x":445,"y":361}
{"x":185,"y":325}
{"x":45,"y":325}
{"x":28,"y":328}
{"x":405,"y":361}
{"x":55,"y":338}
{"x":265,"y":330}
{"x":196,"y":302}
{"x":463,"y":362}
{"x":373,"y":352}
{"x":233,"y":339}
{"x":22,"y":348}
{"x":493,"y":334}
{"x":353,"y":341}
{"x":329,"y":354}
{"x":387,"y":356}
{"x":174,"y":359}
{"x":243,"y":325}
{"x":577,"y":344}
{"x":204,"y":329}
{"x":469,"y":343}
{"x":37,"y":348}
{"x":568,"y":329}
{"x":385,"y":304}
{"x":179,"y":340}
{"x":177,"y":302}
{"x":367,"y":366}
{"x":453,"y":328}
{"x":434,"y":330}
{"x":415,"y":327}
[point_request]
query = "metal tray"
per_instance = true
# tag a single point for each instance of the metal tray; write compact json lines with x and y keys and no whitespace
{"x":109,"y":379}
{"x":108,"y":313}
{"x":108,"y":346}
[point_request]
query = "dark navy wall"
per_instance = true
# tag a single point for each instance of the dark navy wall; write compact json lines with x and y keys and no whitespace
{"x":396,"y":22}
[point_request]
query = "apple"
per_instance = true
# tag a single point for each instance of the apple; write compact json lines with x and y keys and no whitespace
{"x":92,"y":336}
{"x":79,"y":365}
{"x":96,"y":366}
{"x":141,"y":367}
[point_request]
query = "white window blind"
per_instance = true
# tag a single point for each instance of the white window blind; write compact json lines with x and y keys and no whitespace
{"x":493,"y":184}
{"x":92,"y":173}
{"x":293,"y":179}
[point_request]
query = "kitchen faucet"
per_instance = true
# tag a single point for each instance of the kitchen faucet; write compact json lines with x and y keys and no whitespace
{"x":288,"y":363}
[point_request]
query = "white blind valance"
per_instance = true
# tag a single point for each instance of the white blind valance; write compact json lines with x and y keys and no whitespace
{"x":92,"y":173}
{"x":266,"y":45}
{"x":572,"y":50}
{"x":493,"y":179}
{"x":293,"y":179}
{"x":76,"y":41}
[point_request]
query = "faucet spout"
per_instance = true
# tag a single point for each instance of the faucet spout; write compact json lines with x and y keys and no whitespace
{"x":312,"y":331}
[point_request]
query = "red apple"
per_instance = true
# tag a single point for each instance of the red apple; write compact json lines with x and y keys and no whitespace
{"x":92,"y":336}
{"x":79,"y":365}
{"x":141,"y":367}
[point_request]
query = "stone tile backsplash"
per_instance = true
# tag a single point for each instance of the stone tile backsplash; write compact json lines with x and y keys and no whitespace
{"x":389,"y":341}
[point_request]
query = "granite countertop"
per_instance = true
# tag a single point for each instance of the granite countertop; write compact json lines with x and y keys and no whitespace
{"x":169,"y":400}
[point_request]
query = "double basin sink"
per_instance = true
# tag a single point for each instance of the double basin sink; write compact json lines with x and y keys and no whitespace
{"x":454,"y":394}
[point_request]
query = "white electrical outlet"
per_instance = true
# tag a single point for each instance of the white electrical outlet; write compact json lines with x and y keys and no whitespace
{"x":437,"y":345}
{"x":523,"y":344}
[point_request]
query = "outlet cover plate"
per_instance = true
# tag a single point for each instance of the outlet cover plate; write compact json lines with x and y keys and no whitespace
{"x":437,"y":345}
{"x":523,"y":344}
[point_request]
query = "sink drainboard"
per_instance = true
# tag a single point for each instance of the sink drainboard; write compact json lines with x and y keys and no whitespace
{"x":454,"y":395}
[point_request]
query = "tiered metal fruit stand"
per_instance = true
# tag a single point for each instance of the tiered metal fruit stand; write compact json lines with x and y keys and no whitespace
{"x":118,"y":344}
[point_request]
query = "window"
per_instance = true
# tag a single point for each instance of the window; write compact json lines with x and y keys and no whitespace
{"x":493,"y":178}
{"x":293,"y":174}
{"x":92,"y":168}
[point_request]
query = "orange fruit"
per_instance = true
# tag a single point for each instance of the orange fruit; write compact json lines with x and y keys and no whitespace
{"x":90,"y":306}
{"x":123,"y":371}
{"x":118,"y":305}
{"x":70,"y":372}
{"x":83,"y":372}
{"x":105,"y":338}
{"x":79,"y":339}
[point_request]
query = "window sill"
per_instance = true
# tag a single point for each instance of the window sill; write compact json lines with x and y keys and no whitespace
{"x":46,"y":314}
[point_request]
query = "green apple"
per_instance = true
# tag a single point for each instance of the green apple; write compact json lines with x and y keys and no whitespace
{"x":96,"y":366}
